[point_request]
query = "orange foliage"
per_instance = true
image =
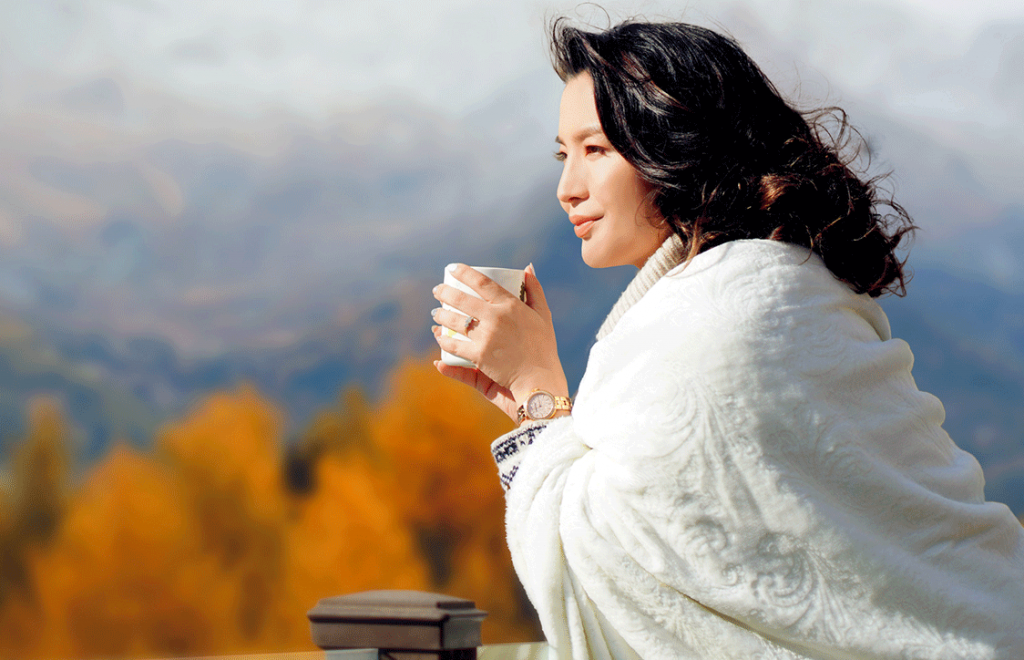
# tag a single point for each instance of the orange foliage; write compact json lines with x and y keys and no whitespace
{"x":226,"y":456}
{"x":205,"y":547}
{"x":436,"y":434}
{"x":127,"y":574}
{"x":349,"y":538}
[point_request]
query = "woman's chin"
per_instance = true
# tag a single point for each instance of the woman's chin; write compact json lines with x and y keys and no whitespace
{"x":592,"y":258}
{"x":599,"y":258}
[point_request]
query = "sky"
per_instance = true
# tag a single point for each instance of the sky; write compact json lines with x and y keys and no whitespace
{"x":317,"y":56}
{"x":953,"y":66}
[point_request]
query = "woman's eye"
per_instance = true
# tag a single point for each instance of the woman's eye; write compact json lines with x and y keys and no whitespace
{"x":595,"y":149}
{"x":559,"y":155}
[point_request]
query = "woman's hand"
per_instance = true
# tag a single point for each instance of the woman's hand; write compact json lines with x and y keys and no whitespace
{"x":511,"y":342}
{"x":499,"y":396}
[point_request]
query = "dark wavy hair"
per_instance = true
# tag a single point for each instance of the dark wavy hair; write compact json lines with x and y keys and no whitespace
{"x":726,"y":156}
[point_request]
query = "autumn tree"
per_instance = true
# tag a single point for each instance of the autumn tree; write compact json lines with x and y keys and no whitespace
{"x":33,"y":502}
{"x":226,"y":456}
{"x":341,"y":430}
{"x":127,"y":576}
{"x":36,"y":494}
{"x":349,"y":537}
{"x":435,"y":435}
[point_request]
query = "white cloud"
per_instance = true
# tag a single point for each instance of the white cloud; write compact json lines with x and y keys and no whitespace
{"x":952,"y":69}
{"x":318,"y":55}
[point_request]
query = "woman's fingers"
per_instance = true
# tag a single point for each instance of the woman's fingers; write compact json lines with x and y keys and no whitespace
{"x":490,"y":292}
{"x":460,"y":323}
{"x":457,"y":347}
{"x":460,"y":300}
{"x":488,"y":289}
{"x":497,"y":395}
{"x":464,"y":375}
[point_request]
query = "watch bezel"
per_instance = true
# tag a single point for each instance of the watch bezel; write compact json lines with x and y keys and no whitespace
{"x":550,"y":402}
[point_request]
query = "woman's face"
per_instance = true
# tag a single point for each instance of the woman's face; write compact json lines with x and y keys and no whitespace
{"x":604,"y":196}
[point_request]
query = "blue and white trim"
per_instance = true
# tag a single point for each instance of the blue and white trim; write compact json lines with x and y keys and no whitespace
{"x":508,"y":450}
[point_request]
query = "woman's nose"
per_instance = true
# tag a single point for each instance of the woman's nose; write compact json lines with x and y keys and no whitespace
{"x":572,"y":186}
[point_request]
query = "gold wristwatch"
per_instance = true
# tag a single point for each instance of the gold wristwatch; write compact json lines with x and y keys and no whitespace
{"x":542,"y":405}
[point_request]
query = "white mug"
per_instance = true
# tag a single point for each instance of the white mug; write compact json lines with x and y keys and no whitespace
{"x":512,"y":280}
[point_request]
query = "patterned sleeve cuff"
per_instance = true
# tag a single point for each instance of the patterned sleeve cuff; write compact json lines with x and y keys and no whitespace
{"x":509,"y":449}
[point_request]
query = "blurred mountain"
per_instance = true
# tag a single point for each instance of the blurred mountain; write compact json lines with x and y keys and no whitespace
{"x":33,"y":365}
{"x":152,"y":251}
{"x":212,"y":245}
{"x":358,"y":345}
{"x":967,"y":338}
{"x":988,"y":252}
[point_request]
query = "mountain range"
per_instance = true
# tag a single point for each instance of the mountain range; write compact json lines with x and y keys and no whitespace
{"x":142,"y":268}
{"x":967,"y":337}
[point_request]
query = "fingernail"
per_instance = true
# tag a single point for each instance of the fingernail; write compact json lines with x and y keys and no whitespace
{"x":433,"y":312}
{"x":434,"y":290}
{"x":451,"y":267}
{"x":533,"y":271}
{"x":434,"y":329}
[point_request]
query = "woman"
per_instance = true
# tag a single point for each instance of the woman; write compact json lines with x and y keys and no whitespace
{"x":748,"y":470}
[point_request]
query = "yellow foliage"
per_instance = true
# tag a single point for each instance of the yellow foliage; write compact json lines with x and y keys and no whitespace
{"x":226,"y":455}
{"x":340,"y":430}
{"x":435,"y":435}
{"x":201,"y":547}
{"x":126,"y":576}
{"x":349,"y":538}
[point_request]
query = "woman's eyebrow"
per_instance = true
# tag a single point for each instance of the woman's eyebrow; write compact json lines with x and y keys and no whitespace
{"x":583,"y":133}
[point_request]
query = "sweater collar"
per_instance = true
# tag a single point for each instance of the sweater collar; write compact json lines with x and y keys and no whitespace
{"x":671,"y":253}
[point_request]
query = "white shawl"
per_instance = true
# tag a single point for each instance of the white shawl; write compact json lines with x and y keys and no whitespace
{"x":750,"y":472}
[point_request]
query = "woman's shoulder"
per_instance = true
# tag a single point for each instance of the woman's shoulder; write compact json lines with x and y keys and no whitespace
{"x":739,"y":308}
{"x":747,"y":283}
{"x":775,"y":267}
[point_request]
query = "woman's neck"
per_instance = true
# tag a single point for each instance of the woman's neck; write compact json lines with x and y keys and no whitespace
{"x":668,"y":256}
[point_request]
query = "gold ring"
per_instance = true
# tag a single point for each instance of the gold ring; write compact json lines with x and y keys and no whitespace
{"x":469,"y":321}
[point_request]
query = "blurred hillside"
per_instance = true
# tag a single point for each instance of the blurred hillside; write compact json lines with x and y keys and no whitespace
{"x":967,"y":337}
{"x":139,"y":273}
{"x":215,"y":235}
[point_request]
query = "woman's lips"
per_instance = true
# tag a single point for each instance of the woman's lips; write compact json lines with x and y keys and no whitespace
{"x":582,"y":225}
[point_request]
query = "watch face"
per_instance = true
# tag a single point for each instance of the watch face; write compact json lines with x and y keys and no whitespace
{"x":540,"y":405}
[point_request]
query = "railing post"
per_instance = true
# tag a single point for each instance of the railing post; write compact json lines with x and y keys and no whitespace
{"x":403,"y":625}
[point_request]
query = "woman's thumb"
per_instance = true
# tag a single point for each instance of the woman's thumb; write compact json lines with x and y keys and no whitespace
{"x":534,"y":293}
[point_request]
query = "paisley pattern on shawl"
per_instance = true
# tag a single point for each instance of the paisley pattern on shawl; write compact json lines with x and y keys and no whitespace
{"x":750,"y":472}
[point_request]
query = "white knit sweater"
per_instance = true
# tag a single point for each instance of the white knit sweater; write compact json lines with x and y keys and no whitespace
{"x":750,"y":472}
